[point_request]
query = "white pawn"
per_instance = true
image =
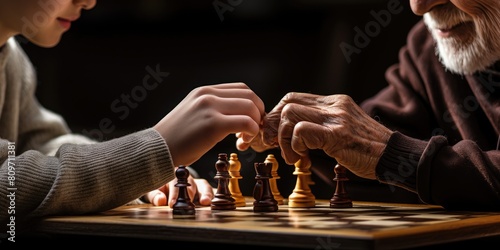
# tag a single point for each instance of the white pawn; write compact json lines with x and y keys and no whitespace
{"x":302,"y":195}
{"x":272,"y":182}
{"x":234,"y":187}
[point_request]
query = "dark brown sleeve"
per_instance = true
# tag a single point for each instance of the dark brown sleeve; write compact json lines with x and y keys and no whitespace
{"x":456,"y":174}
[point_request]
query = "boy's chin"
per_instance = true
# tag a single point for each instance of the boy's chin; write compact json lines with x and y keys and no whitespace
{"x":44,"y":43}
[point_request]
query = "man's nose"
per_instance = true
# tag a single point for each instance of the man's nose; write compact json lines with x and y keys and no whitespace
{"x":420,"y":7}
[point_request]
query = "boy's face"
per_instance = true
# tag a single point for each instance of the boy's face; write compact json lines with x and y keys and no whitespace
{"x":42,"y":21}
{"x":465,"y":31}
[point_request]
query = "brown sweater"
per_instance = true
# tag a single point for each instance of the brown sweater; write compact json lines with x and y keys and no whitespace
{"x":46,"y":170}
{"x":447,"y":126}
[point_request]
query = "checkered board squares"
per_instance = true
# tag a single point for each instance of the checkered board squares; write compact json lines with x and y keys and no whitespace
{"x":365,"y":218}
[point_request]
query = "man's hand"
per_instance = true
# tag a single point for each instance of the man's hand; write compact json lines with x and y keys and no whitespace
{"x":334,"y":124}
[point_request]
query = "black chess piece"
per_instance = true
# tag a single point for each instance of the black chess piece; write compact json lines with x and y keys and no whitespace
{"x":223,"y":199}
{"x":340,"y":199}
{"x":183,"y":206}
{"x":262,"y":193}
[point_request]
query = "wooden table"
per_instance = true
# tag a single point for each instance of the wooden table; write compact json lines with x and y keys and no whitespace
{"x":366,"y":225}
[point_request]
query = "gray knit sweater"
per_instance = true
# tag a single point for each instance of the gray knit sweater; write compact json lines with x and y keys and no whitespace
{"x":47,"y":170}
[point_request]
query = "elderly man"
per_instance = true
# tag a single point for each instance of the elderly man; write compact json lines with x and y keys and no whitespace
{"x":434,"y":130}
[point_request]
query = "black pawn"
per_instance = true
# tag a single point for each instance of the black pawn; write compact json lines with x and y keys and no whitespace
{"x":222,"y":199}
{"x":340,"y":199}
{"x":264,"y":198}
{"x":183,"y":206}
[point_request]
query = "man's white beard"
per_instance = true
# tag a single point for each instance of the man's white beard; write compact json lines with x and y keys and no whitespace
{"x":467,"y":57}
{"x":463,"y":59}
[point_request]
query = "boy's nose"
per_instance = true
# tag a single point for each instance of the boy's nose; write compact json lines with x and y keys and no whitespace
{"x":86,"y":4}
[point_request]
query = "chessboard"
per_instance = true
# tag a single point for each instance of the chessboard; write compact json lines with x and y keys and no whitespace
{"x":365,"y":225}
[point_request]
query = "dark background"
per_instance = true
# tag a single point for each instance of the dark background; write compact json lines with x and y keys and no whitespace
{"x":275,"y":46}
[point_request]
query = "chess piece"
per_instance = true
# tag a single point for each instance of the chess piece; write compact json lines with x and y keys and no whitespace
{"x":222,"y":199}
{"x":183,"y":206}
{"x":310,"y":180}
{"x":340,"y":198}
{"x":234,"y":187}
{"x":302,"y":195}
{"x":264,"y":199}
{"x":274,"y":177}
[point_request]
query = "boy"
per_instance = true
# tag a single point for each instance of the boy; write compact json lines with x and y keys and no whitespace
{"x":47,"y":170}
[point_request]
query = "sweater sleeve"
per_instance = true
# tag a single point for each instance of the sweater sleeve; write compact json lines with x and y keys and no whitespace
{"x":460,"y":176}
{"x":84,"y":178}
{"x":47,"y":170}
{"x":428,"y":153}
